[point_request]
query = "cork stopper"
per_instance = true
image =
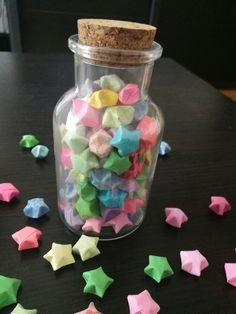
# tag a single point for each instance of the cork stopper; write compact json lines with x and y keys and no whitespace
{"x":115,"y":34}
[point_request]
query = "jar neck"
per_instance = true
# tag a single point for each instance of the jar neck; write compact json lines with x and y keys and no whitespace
{"x":137,"y":74}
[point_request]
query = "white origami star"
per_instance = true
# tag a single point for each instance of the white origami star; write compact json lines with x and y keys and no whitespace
{"x":193,"y":262}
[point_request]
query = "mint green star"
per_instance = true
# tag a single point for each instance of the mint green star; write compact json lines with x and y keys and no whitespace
{"x":158,"y":268}
{"x":8,"y":290}
{"x":97,"y":281}
{"x":20,"y":310}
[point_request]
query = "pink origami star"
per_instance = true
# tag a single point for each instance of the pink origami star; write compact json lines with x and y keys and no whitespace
{"x":219,"y":205}
{"x":175,"y":216}
{"x":90,"y":310}
{"x":93,"y":224}
{"x":119,"y":222}
{"x":193,"y":262}
{"x":142,"y":303}
{"x":27,"y":238}
{"x":230,"y":271}
{"x":65,"y":158}
{"x":132,"y":204}
{"x":8,"y":191}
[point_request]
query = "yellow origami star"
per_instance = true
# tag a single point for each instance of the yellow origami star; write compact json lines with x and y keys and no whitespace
{"x":86,"y":247}
{"x":60,"y":255}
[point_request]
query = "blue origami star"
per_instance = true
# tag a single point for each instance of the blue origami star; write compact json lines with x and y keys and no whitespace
{"x":35,"y":208}
{"x":112,"y":198}
{"x":127,"y":141}
{"x":164,"y":148}
{"x":40,"y":151}
{"x":104,"y":179}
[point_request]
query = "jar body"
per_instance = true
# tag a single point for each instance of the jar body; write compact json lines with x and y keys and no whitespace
{"x":107,"y":134}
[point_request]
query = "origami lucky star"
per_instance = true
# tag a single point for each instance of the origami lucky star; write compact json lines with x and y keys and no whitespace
{"x":85,"y":161}
{"x":97,"y":281}
{"x":118,"y":115}
{"x":90,"y":310}
{"x":129,"y":94}
{"x":175,"y":217}
{"x":142,"y":303}
{"x":99,"y":143}
{"x":112,"y":198}
{"x":86,"y":247}
{"x":72,"y":218}
{"x":20,"y":310}
{"x":158,"y":268}
{"x":164,"y":148}
{"x":230,"y":271}
{"x":103,"y":98}
{"x":60,"y":255}
{"x":126,"y":141}
{"x":8,"y":290}
{"x":40,"y":151}
{"x":112,"y":82}
{"x":28,"y":141}
{"x":116,"y":163}
{"x":8,"y":191}
{"x":93,"y":224}
{"x":219,"y":205}
{"x":35,"y":208}
{"x":193,"y":262}
{"x":27,"y":238}
{"x":119,"y":222}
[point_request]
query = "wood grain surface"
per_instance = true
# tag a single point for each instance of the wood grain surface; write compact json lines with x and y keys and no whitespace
{"x":200,"y":127}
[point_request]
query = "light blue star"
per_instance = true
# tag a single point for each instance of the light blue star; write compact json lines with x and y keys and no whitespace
{"x":35,"y":208}
{"x":126,"y":141}
{"x":40,"y":151}
{"x":112,"y":198}
{"x":164,"y":148}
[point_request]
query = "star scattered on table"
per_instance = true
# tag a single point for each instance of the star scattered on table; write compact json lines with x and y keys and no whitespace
{"x":119,"y":222}
{"x":93,"y":224}
{"x":193,"y":262}
{"x":86,"y":247}
{"x":60,"y":255}
{"x":28,"y":141}
{"x":126,"y":141}
{"x":8,"y":191}
{"x":164,"y":148}
{"x":27,"y":238}
{"x":158,"y":268}
{"x":175,"y":217}
{"x":219,"y":205}
{"x":230,"y":271}
{"x":142,"y":303}
{"x":40,"y":151}
{"x":97,"y":282}
{"x":35,"y":208}
{"x":90,"y":310}
{"x":8,"y":290}
{"x":20,"y":310}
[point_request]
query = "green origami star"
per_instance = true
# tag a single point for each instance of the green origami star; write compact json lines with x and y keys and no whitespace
{"x":158,"y":268}
{"x":87,"y":209}
{"x":97,"y":281}
{"x":20,"y":310}
{"x":28,"y":141}
{"x":8,"y":290}
{"x":117,"y":163}
{"x":86,"y":190}
{"x":84,"y":162}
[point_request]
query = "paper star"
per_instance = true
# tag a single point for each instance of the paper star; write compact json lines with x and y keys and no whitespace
{"x":90,"y":310}
{"x":142,"y":303}
{"x":97,"y":281}
{"x":72,"y":218}
{"x":86,"y":247}
{"x":164,"y":148}
{"x":27,"y":238}
{"x":230,"y":271}
{"x":219,"y":205}
{"x":35,"y":208}
{"x":8,"y":290}
{"x":193,"y":262}
{"x":28,"y":141}
{"x":20,"y":310}
{"x":112,"y":198}
{"x":158,"y":268}
{"x":119,"y":222}
{"x":40,"y":151}
{"x":8,"y":191}
{"x":60,"y":255}
{"x":93,"y":224}
{"x":85,"y":161}
{"x":175,"y":216}
{"x":126,"y":141}
{"x":117,"y":163}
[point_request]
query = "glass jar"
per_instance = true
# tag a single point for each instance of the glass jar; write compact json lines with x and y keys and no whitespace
{"x":107,"y":133}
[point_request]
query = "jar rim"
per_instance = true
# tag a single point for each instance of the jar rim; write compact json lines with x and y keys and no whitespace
{"x":111,"y":55}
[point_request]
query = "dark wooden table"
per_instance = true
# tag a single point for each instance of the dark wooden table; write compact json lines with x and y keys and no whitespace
{"x":200,"y":127}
